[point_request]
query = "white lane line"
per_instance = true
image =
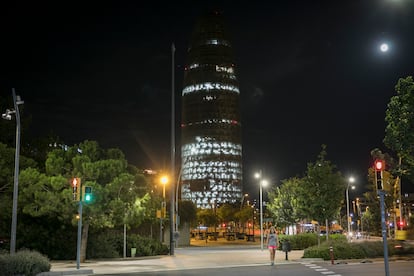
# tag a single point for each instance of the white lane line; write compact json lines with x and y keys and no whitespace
{"x":323,"y":271}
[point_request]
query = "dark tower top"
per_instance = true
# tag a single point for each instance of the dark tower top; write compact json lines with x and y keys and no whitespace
{"x":211,"y":128}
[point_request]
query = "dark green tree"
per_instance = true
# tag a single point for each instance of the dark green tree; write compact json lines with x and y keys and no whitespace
{"x":399,"y":131}
{"x":227,"y":212}
{"x":321,"y":193}
{"x":7,"y":160}
{"x":207,"y":217}
{"x":187,"y":212}
{"x":244,"y":215}
{"x":117,"y":196}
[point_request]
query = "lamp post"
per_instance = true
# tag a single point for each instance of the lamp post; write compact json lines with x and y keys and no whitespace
{"x":7,"y":116}
{"x":261,"y":183}
{"x":350,"y":180}
{"x":172,"y":172}
{"x":177,"y":186}
{"x":164,"y":181}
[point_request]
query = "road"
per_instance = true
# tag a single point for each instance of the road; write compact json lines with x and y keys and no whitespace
{"x":400,"y":268}
{"x":242,"y":259}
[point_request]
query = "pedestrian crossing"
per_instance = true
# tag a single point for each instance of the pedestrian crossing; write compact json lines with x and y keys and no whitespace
{"x":322,"y":270}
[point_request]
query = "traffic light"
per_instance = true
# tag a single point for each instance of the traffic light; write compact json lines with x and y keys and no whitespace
{"x":379,"y":166}
{"x":87,"y":194}
{"x":76,"y":188}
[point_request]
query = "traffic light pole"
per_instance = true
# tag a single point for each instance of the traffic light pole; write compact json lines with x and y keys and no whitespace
{"x":379,"y":167}
{"x":384,"y":232}
{"x":78,"y":246}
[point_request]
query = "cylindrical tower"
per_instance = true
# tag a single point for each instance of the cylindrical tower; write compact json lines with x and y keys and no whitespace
{"x":211,"y":148}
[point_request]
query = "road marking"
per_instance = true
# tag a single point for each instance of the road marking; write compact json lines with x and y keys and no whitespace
{"x":322,"y":270}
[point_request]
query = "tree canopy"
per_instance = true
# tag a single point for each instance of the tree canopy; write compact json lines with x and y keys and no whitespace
{"x":399,"y":116}
{"x":316,"y":196}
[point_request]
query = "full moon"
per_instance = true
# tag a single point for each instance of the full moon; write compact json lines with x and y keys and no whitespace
{"x":384,"y":47}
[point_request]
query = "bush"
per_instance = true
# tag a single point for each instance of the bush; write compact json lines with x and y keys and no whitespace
{"x":147,"y":246}
{"x":299,"y":242}
{"x":109,"y":244}
{"x":24,"y":262}
{"x":306,"y":240}
{"x":359,"y":250}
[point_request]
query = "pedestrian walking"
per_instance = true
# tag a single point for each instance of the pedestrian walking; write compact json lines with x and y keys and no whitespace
{"x":272,"y":242}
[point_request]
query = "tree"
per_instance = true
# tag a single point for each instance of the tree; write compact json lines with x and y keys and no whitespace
{"x":283,"y":203}
{"x":7,"y":183}
{"x":399,"y":131}
{"x":187,"y":211}
{"x":321,"y":192}
{"x":117,"y":195}
{"x":227,"y":212}
{"x":244,"y":215}
{"x":207,"y":217}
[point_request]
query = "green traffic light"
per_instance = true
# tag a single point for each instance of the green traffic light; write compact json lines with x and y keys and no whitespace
{"x":88,"y":194}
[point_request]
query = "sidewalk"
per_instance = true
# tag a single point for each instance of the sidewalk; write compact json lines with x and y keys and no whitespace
{"x":199,"y":255}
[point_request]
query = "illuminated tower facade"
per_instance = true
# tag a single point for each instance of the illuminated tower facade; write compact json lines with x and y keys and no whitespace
{"x":211,"y":148}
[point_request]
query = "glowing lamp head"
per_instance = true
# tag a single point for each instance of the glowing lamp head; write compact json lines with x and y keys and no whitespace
{"x":164,"y":180}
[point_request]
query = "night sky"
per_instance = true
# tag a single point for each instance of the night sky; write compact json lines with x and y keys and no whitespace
{"x":310,"y":73}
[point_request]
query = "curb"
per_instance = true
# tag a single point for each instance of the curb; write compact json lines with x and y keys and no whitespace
{"x":67,"y":272}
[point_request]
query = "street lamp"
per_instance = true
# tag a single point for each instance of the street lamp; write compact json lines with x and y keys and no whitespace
{"x":164,"y":181}
{"x":7,"y":116}
{"x":262,"y":183}
{"x":350,"y":180}
{"x":172,"y":153}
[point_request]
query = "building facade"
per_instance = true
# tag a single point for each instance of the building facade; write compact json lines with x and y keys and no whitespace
{"x":211,"y":147}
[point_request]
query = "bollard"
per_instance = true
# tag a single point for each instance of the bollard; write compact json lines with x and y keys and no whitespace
{"x":286,"y":248}
{"x":331,"y":253}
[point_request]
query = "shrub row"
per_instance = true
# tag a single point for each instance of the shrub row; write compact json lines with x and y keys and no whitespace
{"x":302,"y":241}
{"x":24,"y":262}
{"x":355,"y":250}
{"x":108,"y":245}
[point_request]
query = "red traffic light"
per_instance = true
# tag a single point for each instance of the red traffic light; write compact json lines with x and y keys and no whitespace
{"x":75,"y":182}
{"x":379,"y":165}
